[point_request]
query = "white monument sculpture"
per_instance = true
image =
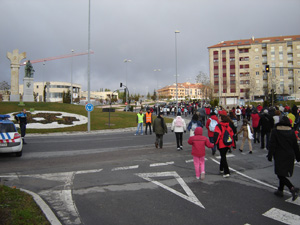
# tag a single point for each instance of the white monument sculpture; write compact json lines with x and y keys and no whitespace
{"x":15,"y":59}
{"x":28,"y":83}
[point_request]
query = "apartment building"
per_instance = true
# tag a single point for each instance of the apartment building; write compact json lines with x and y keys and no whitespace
{"x":237,"y":68}
{"x":185,"y":90}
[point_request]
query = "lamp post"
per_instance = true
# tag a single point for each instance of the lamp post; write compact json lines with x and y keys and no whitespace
{"x":43,"y":89}
{"x":72,"y":76}
{"x":126,"y":61}
{"x":176,"y":32}
{"x":157,"y":70}
{"x":89,"y":64}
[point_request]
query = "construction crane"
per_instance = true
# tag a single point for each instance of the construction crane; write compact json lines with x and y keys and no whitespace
{"x":56,"y":57}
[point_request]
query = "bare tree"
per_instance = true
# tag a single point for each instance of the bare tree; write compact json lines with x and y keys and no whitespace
{"x":4,"y":86}
{"x":205,"y":84}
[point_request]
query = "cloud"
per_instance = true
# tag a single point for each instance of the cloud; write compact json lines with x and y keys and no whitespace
{"x":140,"y":30}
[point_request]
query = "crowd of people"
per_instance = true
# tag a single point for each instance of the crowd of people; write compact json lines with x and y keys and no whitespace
{"x":275,"y":128}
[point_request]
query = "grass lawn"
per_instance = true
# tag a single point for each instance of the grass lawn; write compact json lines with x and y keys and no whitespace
{"x":17,"y":207}
{"x":99,"y":119}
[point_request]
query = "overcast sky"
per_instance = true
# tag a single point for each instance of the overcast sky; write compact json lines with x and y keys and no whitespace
{"x":140,"y":30}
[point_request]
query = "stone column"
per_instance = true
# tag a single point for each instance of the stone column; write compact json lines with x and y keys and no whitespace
{"x":15,"y":59}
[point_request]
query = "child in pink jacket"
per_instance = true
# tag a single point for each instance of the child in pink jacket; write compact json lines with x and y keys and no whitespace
{"x":198,"y":143}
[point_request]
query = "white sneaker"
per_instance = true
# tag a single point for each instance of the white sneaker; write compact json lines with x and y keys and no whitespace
{"x":178,"y":149}
{"x":197,"y":178}
{"x":226,"y":175}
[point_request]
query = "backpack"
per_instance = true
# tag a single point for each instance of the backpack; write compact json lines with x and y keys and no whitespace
{"x":227,"y":139}
{"x":178,"y":122}
{"x":238,"y":111}
{"x":194,"y":126}
{"x":212,"y":125}
{"x":235,"y":122}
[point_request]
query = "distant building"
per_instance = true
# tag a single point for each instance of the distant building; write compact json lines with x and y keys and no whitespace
{"x":185,"y":90}
{"x":101,"y":96}
{"x":56,"y":90}
{"x":237,"y":68}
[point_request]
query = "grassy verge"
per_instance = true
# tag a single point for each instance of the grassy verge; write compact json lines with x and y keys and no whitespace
{"x":17,"y":207}
{"x":99,"y":119}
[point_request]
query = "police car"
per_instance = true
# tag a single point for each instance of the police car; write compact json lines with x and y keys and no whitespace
{"x":10,"y":139}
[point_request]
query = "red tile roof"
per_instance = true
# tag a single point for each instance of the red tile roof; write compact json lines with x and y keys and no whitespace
{"x":256,"y":41}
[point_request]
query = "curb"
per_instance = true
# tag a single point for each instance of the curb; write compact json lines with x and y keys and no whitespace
{"x":44,"y":207}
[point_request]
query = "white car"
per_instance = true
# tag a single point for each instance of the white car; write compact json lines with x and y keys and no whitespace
{"x":10,"y":139}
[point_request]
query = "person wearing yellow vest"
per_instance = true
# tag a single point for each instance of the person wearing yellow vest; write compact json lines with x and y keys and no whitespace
{"x":148,"y":121}
{"x":140,"y":121}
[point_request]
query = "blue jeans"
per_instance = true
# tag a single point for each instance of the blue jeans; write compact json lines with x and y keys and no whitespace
{"x":140,"y":125}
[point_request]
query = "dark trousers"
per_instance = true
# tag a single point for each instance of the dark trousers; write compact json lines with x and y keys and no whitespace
{"x":263,"y":134}
{"x":23,"y":129}
{"x":148,"y":125}
{"x":256,"y":134}
{"x":159,"y":140}
{"x":223,"y":161}
{"x":283,"y":181}
{"x":203,"y":120}
{"x":211,"y":139}
{"x":179,"y":138}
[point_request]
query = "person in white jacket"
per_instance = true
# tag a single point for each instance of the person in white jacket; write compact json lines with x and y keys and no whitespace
{"x":178,"y":126}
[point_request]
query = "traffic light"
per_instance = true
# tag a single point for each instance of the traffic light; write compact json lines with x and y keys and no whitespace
{"x":121,"y":84}
{"x":267,"y":68}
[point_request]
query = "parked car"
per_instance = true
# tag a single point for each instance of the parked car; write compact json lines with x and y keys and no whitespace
{"x":10,"y":139}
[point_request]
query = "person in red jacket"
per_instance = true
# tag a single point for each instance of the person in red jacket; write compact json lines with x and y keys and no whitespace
{"x":198,"y":142}
{"x":223,"y":148}
{"x":255,"y":124}
{"x":213,"y":116}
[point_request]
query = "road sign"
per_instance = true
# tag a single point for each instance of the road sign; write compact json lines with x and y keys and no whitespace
{"x":89,"y":107}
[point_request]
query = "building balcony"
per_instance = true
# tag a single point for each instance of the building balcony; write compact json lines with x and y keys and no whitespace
{"x":290,"y":51}
{"x":264,"y":52}
{"x":264,"y":45}
{"x":264,"y":61}
{"x":290,"y":59}
{"x":265,"y":77}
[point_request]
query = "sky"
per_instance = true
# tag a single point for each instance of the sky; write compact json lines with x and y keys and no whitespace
{"x":142,"y":31}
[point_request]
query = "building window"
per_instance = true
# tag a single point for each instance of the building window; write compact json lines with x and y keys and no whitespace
{"x":256,"y":49}
{"x":233,"y":90}
{"x":216,"y":52}
{"x":280,"y":56}
{"x":273,"y":57}
{"x":256,"y":57}
{"x":257,"y":73}
{"x":257,"y":65}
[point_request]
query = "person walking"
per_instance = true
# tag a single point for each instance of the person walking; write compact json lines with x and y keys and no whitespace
{"x":178,"y":126}
{"x":21,"y":118}
{"x":223,"y":138}
{"x":193,"y":124}
{"x":159,"y":128}
{"x":198,"y":142}
{"x":255,"y":124}
{"x":284,"y":150}
{"x":202,"y":114}
{"x":148,"y":121}
{"x":210,"y":126}
{"x":247,"y":133}
{"x":140,"y":121}
{"x":266,"y":124}
{"x":238,"y":113}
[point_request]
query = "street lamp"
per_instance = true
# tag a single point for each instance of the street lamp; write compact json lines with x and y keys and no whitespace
{"x":157,"y":70}
{"x":43,"y":89}
{"x":89,"y":64}
{"x":126,"y":61}
{"x":72,"y":76}
{"x":176,"y":32}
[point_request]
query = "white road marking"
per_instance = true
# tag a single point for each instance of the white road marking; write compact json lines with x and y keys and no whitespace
{"x":250,"y":178}
{"x":228,"y":156}
{"x":296,"y":202}
{"x":283,"y":216}
{"x":62,"y":200}
{"x":46,"y":209}
{"x":125,"y":168}
{"x":161,"y":164}
{"x":190,"y":195}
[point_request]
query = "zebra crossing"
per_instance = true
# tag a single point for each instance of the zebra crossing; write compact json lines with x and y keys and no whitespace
{"x":284,"y":216}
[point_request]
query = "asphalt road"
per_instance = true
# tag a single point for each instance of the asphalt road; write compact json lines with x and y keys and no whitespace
{"x":119,"y":178}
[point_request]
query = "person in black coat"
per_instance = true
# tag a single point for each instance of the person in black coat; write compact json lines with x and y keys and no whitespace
{"x":266,"y":123}
{"x":284,"y":149}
